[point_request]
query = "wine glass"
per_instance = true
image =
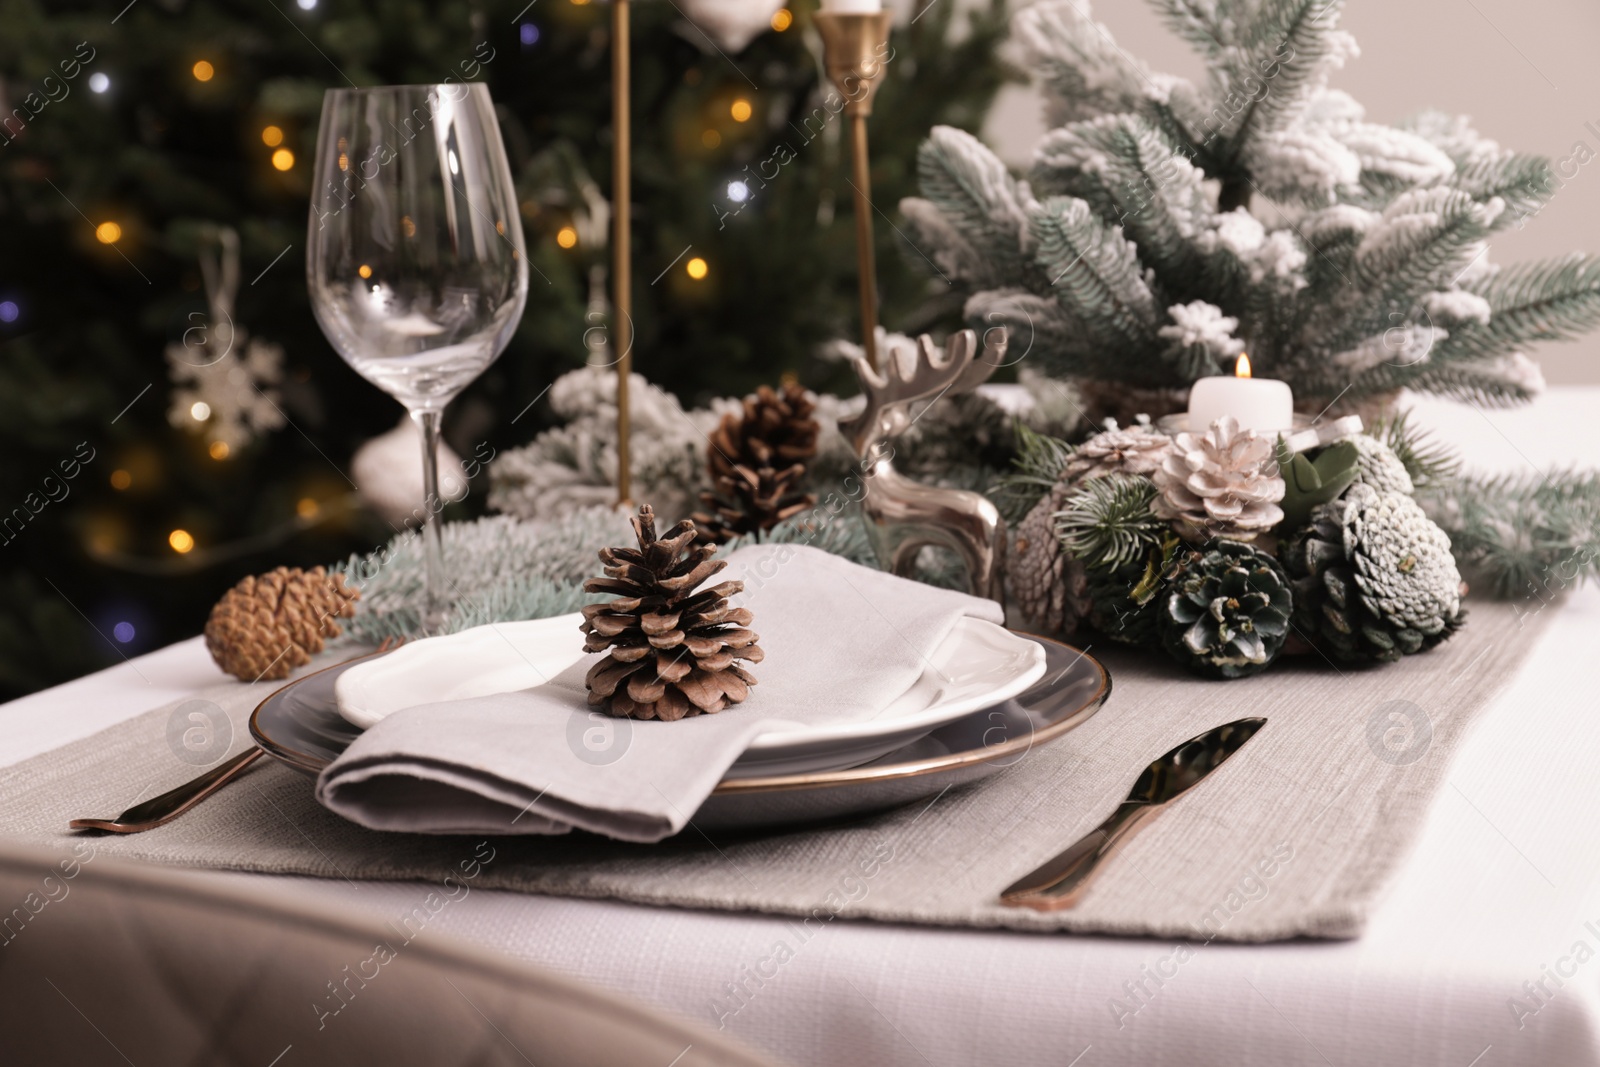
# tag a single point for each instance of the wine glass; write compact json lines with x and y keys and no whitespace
{"x":414,"y":257}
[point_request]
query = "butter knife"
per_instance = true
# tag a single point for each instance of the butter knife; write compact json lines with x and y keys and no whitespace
{"x":1060,"y":882}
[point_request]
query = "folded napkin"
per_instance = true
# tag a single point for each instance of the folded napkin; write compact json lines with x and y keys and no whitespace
{"x":842,"y":642}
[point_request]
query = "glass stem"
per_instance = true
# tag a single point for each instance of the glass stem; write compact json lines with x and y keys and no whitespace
{"x":434,"y":600}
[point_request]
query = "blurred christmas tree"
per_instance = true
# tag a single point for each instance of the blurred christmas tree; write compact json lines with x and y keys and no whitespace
{"x":131,"y":146}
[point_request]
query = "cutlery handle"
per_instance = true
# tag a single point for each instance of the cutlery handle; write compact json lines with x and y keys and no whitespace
{"x":1059,"y":882}
{"x":174,"y":802}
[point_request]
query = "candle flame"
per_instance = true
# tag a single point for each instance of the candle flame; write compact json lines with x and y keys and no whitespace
{"x":1242,"y":368}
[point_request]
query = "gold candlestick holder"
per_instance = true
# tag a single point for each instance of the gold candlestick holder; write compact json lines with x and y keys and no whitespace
{"x":854,"y":50}
{"x":622,"y":240}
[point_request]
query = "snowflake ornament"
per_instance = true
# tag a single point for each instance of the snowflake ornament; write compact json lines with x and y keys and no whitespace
{"x":222,"y":377}
{"x":231,"y":400}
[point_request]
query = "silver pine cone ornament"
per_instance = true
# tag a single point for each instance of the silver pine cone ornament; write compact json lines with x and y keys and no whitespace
{"x":1048,"y":584}
{"x":672,"y":651}
{"x":1220,"y":483}
{"x":1375,"y":579}
{"x":1225,"y":611}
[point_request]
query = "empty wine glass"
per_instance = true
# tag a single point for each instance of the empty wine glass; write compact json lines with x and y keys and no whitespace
{"x":414,"y":259}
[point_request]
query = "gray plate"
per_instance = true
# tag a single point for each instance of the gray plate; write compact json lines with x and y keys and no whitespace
{"x":300,"y":725}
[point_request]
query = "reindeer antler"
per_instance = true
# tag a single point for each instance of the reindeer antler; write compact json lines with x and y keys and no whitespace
{"x":927,"y":376}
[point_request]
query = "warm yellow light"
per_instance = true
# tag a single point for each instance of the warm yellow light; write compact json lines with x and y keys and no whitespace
{"x":344,"y":161}
{"x":408,"y":227}
{"x":181,"y":541}
{"x":283,"y":159}
{"x":307,"y":508}
{"x":219,"y":450}
{"x":364,"y":270}
{"x":711,"y":138}
{"x":272,"y":137}
{"x":567,"y":237}
{"x":697,"y":268}
{"x":108,"y":233}
{"x":1241,"y":369}
{"x":121,"y":479}
{"x":782,"y":19}
{"x":199,"y":411}
{"x":203,"y":71}
{"x":741,"y":110}
{"x":580,"y":3}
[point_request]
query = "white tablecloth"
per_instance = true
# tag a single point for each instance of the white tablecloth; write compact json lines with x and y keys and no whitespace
{"x":1486,"y":952}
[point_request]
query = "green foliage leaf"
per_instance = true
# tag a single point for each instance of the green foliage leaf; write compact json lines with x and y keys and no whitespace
{"x":977,"y":195}
{"x":1036,"y":467}
{"x":1521,"y":537}
{"x":1309,"y":481}
{"x":1553,"y":300}
{"x":1110,"y":522}
{"x":1095,"y":272}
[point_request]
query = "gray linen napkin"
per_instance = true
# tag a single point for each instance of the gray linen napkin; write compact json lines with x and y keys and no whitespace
{"x":842,"y":642}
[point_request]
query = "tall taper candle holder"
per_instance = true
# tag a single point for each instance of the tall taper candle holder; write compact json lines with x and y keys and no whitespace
{"x":854,"y":50}
{"x":622,"y":239}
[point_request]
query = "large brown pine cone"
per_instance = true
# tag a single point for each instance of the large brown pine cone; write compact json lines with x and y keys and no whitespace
{"x":756,"y":460}
{"x":672,"y":649}
{"x":266,"y":626}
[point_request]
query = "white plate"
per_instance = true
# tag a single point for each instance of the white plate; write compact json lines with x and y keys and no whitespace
{"x":977,"y":665}
{"x":300,"y":726}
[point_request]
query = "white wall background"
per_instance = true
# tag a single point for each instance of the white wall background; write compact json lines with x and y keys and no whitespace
{"x":1526,"y":71}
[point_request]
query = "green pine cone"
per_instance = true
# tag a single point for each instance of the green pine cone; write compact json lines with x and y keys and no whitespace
{"x":1123,"y":600}
{"x":1225,"y":612}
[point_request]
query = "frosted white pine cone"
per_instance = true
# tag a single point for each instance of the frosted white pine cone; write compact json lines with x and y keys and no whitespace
{"x":1404,"y":567}
{"x":1379,"y":467}
{"x":1221,"y":483}
{"x":1136,"y":450}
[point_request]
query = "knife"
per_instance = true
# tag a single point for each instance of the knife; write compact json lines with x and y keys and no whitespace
{"x":1060,"y":882}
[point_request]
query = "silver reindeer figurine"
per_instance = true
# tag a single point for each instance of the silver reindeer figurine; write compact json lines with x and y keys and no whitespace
{"x":903,"y":516}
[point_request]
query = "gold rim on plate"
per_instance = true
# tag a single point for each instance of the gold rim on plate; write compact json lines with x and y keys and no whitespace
{"x":785,"y":782}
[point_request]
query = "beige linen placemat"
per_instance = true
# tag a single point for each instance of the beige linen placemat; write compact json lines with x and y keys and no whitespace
{"x":1295,"y":836}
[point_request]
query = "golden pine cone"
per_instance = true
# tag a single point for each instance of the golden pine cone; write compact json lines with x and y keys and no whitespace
{"x":672,"y":649}
{"x":266,"y":626}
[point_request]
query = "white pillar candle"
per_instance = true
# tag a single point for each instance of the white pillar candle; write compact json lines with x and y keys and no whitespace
{"x":1262,"y":404}
{"x":852,"y":7}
